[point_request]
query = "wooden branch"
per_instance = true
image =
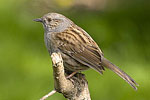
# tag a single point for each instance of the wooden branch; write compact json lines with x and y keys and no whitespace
{"x":48,"y":95}
{"x":74,"y":88}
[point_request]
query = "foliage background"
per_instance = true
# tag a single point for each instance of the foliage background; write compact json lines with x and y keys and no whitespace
{"x":120,"y":27}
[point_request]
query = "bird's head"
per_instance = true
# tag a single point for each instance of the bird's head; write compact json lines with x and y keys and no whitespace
{"x":54,"y":22}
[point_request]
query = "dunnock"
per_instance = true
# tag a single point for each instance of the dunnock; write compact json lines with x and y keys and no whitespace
{"x":79,"y":51}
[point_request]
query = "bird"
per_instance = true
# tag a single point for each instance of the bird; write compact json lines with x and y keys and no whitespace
{"x":77,"y":48}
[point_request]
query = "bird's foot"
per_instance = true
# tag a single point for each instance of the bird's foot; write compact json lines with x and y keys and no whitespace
{"x":72,"y":74}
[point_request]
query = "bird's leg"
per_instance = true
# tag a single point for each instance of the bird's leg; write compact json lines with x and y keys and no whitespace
{"x":72,"y":74}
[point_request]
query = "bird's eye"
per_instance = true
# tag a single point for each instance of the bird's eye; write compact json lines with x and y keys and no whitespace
{"x":48,"y":19}
{"x":44,"y":21}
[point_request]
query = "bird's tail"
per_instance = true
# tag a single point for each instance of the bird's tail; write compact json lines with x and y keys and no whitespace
{"x":119,"y":72}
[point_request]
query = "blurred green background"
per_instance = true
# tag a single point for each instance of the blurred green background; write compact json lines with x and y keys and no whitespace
{"x":120,"y":27}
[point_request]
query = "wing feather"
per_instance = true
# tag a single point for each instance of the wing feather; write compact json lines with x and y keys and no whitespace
{"x":81,"y":47}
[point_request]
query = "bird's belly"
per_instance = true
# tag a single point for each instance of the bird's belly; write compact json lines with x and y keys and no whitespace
{"x":71,"y":64}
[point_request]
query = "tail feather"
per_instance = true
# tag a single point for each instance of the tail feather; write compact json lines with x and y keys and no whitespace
{"x":119,"y":72}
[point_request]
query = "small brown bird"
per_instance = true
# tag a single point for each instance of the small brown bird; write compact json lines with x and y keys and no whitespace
{"x":79,"y":51}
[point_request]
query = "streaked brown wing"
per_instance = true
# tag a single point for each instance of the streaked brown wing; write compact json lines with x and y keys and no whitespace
{"x":81,"y":47}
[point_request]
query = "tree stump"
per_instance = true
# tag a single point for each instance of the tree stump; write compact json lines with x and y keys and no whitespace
{"x":73,"y":88}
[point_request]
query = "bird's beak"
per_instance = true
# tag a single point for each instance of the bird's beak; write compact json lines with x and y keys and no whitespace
{"x":38,"y":20}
